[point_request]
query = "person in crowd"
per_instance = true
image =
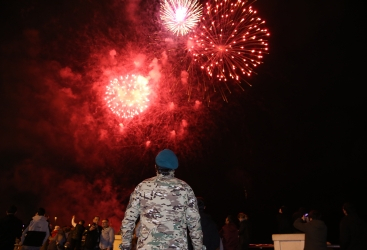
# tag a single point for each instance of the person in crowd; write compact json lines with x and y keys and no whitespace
{"x":166,"y":206}
{"x":244,"y":232}
{"x":37,"y":233}
{"x":353,"y":234}
{"x":93,"y":235}
{"x":298,"y":214}
{"x":229,"y":234}
{"x":57,"y":239}
{"x":77,"y":234}
{"x":52,"y":238}
{"x":67,"y":231}
{"x":107,"y":236}
{"x":315,"y":231}
{"x":68,"y":239}
{"x":211,"y":238}
{"x":60,"y":239}
{"x":10,"y":229}
{"x":284,"y":221}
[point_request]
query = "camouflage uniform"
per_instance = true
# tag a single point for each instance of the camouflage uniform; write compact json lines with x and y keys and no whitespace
{"x":166,"y":206}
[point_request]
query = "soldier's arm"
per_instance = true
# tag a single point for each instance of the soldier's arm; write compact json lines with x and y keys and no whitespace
{"x":128,"y":223}
{"x":193,"y":221}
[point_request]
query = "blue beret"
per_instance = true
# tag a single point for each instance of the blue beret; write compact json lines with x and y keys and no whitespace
{"x":166,"y":159}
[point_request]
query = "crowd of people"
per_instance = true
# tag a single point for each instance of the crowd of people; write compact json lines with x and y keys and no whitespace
{"x":232,"y":236}
{"x":39,"y":234}
{"x":164,"y":213}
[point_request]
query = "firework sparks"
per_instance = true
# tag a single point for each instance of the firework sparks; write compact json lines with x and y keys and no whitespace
{"x":180,"y":16}
{"x":230,"y":40}
{"x":128,"y":96}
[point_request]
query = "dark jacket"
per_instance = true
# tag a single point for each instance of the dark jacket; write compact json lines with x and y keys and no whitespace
{"x":284,"y":223}
{"x":211,"y":239}
{"x":353,"y":234}
{"x":10,"y":228}
{"x":229,"y":235}
{"x":244,"y":233}
{"x":92,"y":238}
{"x":78,"y":232}
{"x":315,"y":233}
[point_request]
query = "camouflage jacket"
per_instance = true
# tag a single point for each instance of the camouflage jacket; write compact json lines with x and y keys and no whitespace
{"x":167,"y":207}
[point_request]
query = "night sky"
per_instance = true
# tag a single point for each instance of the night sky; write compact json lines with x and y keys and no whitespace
{"x":295,"y":138}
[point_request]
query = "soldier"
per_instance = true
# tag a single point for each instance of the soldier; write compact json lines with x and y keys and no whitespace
{"x":167,"y":206}
{"x":10,"y":229}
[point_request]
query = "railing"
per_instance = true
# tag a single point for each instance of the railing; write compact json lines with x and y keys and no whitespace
{"x":271,"y":246}
{"x":262,"y":246}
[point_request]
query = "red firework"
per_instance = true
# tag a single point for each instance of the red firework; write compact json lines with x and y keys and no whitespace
{"x":230,"y":41}
{"x":128,"y":96}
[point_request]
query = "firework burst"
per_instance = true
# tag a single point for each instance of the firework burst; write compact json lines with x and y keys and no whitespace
{"x":230,"y":41}
{"x":128,"y":96}
{"x":180,"y":16}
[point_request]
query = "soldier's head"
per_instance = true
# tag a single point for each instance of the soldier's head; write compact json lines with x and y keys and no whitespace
{"x":166,"y":161}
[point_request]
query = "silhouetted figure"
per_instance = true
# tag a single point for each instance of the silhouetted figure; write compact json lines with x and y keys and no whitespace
{"x":315,"y":231}
{"x":353,"y":234}
{"x":10,"y":229}
{"x":229,"y":234}
{"x":211,"y":238}
{"x":244,"y":232}
{"x":68,"y":239}
{"x":77,"y":234}
{"x":284,"y":221}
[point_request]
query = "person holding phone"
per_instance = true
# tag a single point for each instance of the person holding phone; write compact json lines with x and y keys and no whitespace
{"x":315,"y":230}
{"x":305,"y":218}
{"x":93,"y":234}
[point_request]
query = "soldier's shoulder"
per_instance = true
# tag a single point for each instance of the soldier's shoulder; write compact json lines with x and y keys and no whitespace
{"x":181,"y":182}
{"x":146,"y":182}
{"x":149,"y":179}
